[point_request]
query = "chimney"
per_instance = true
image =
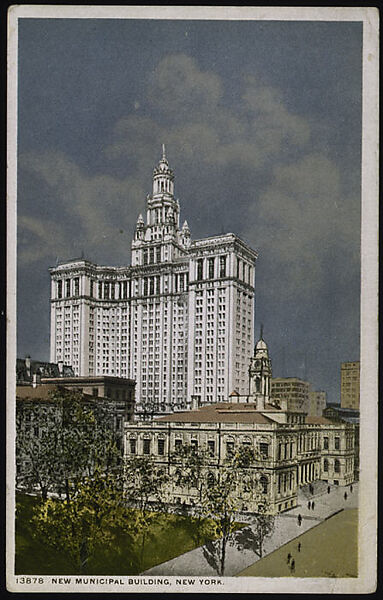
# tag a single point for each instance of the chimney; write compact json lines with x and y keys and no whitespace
{"x":36,"y":380}
{"x":195,"y":402}
{"x":60,"y":365}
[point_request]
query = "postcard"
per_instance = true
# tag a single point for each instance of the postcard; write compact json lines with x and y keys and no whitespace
{"x":192,"y":299}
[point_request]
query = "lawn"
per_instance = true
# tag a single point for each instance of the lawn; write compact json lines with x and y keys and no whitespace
{"x":327,"y":550}
{"x":171,"y":536}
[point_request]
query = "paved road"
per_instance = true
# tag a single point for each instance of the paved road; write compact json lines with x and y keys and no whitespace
{"x":200,"y":562}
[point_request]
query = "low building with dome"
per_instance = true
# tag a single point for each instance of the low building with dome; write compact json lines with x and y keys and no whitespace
{"x":291,"y":448}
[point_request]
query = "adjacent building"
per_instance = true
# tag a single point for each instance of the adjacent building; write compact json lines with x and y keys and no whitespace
{"x":317,"y":402}
{"x":293,"y":390}
{"x":350,"y":385}
{"x":31,"y":371}
{"x":179,"y":320}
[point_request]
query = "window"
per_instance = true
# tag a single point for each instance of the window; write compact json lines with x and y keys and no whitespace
{"x":337,"y":443}
{"x":222,"y":266}
{"x":229,"y":448}
{"x":325,"y":443}
{"x":264,"y":449}
{"x":67,"y":288}
{"x":264,"y":483}
{"x":211,"y":268}
{"x":161,"y":447}
{"x":194,"y":445}
{"x":151,"y":255}
{"x":336,"y":466}
{"x":59,"y":289}
{"x":146,"y":447}
{"x":211,"y":447}
{"x":91,"y":288}
{"x":200,"y":269}
{"x":94,"y":391}
{"x":76,"y":286}
{"x":178,"y":445}
{"x":158,"y":254}
{"x":325,"y":465}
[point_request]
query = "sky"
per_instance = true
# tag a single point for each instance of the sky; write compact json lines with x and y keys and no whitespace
{"x":262,"y":126}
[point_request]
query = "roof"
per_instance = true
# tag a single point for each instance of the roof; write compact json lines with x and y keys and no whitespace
{"x":91,"y":379}
{"x":312,"y":420}
{"x":222,"y":412}
{"x":43,"y":393}
{"x":39,"y":367}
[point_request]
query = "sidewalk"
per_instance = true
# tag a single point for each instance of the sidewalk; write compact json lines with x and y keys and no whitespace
{"x":286,"y":529}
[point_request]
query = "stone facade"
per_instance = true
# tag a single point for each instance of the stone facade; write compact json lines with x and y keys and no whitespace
{"x":179,"y":320}
{"x":291,"y":449}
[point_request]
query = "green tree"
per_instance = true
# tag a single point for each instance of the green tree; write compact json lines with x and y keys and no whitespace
{"x":85,"y":524}
{"x":145,"y":489}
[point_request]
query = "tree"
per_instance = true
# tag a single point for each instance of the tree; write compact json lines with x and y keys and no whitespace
{"x":145,"y":490}
{"x":85,"y":524}
{"x":195,"y":473}
{"x":235,"y":486}
{"x":72,"y":438}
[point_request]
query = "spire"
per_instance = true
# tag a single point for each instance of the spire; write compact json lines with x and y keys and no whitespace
{"x":261,"y":336}
{"x":163,"y":152}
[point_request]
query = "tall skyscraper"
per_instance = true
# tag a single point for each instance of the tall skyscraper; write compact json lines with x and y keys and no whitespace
{"x":350,"y":384}
{"x":179,"y":320}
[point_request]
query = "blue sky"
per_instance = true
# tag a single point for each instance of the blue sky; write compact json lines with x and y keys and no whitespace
{"x":262,"y":123}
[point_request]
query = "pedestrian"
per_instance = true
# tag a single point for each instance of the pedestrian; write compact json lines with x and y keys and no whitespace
{"x":309,"y":505}
{"x":299,"y":519}
{"x":288,"y":558}
{"x":351,"y":488}
{"x":328,"y":489}
{"x":345,"y":495}
{"x":292,"y":566}
{"x":312,"y":505}
{"x":299,"y":547}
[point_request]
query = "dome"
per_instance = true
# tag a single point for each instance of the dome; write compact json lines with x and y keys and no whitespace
{"x":261,"y":345}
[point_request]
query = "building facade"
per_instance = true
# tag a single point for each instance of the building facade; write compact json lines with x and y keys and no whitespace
{"x":290,"y":448}
{"x":294,"y":390}
{"x":350,"y":385}
{"x":317,"y":402}
{"x":179,"y":320}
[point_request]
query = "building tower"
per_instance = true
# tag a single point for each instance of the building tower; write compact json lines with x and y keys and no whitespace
{"x":260,"y":374}
{"x":179,"y":320}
